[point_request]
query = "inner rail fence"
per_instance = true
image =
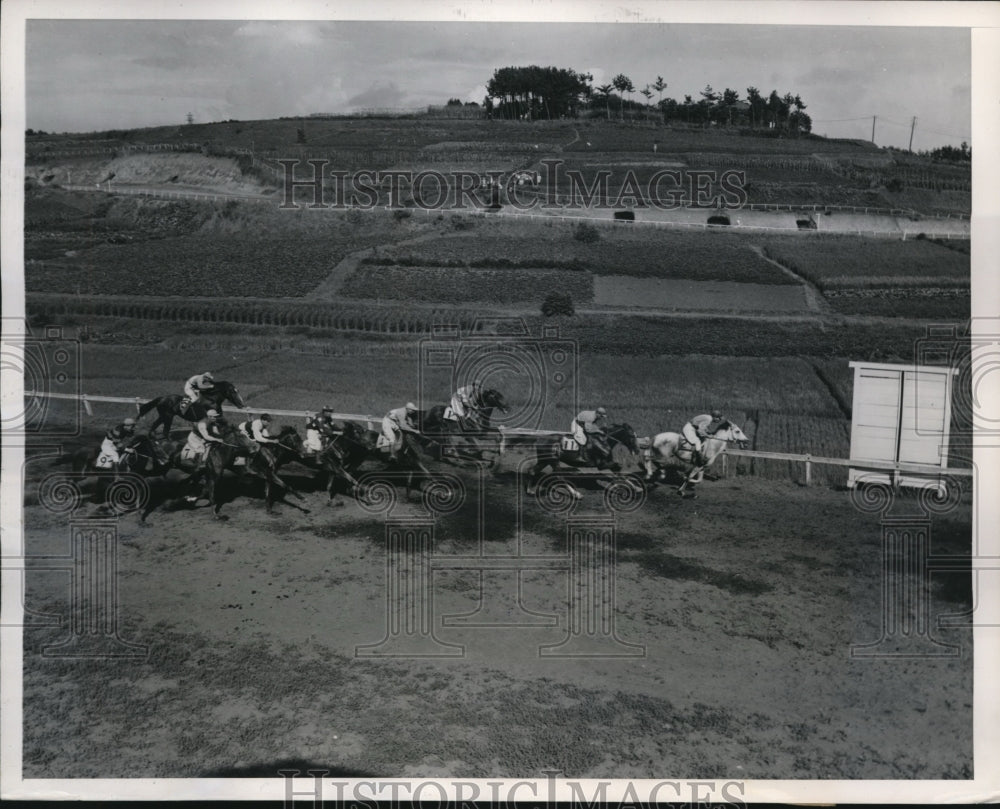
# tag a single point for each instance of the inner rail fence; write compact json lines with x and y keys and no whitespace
{"x":374,"y":423}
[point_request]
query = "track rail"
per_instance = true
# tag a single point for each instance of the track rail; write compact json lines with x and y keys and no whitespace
{"x":373,"y":422}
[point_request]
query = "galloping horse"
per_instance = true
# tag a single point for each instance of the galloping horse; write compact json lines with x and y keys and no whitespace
{"x":550,"y":452}
{"x":144,"y":455}
{"x":341,"y":458}
{"x":169,"y":406}
{"x":672,"y":450}
{"x":289,"y":447}
{"x":462,"y":436}
{"x":222,"y":456}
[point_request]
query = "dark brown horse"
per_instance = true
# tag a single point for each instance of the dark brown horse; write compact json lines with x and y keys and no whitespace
{"x":222,"y":456}
{"x":349,"y":447}
{"x":170,"y":406}
{"x":550,"y":453}
{"x":464,"y":438}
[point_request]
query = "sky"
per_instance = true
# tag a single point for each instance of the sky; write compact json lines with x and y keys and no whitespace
{"x":87,"y":75}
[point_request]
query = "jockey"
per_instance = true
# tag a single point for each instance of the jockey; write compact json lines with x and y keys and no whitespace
{"x":465,"y":400}
{"x":116,"y":441}
{"x":319,"y":429}
{"x":196,"y":384}
{"x":588,"y":425}
{"x":257,"y":429}
{"x":702,"y":427}
{"x":395,"y":423}
{"x":207,"y":431}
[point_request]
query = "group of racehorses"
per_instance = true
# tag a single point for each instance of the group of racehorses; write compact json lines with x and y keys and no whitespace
{"x":349,"y":444}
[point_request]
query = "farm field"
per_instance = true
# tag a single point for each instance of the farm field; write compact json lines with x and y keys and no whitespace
{"x":710,"y":256}
{"x":720,"y":296}
{"x":831,"y":261}
{"x":920,"y":278}
{"x":453,"y":285}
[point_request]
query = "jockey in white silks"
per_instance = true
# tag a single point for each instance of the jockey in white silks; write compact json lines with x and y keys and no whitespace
{"x":395,"y":423}
{"x":702,"y":427}
{"x":587,"y":423}
{"x":205,"y":432}
{"x":196,"y":384}
{"x":464,"y":399}
{"x":116,"y":440}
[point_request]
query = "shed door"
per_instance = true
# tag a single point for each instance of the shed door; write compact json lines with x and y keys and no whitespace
{"x":922,"y":427}
{"x":875,"y":431}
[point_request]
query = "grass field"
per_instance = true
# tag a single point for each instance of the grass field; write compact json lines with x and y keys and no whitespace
{"x":833,"y":262}
{"x":451,"y":285}
{"x":709,"y":256}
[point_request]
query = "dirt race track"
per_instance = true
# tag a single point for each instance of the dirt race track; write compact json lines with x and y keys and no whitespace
{"x":746,"y":602}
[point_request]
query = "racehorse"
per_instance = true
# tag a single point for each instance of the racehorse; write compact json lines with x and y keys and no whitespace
{"x":169,"y":406}
{"x":343,"y":455}
{"x":550,"y":451}
{"x":289,"y":447}
{"x":455,"y":434}
{"x":673,"y":450}
{"x":222,"y":456}
{"x":142,"y":455}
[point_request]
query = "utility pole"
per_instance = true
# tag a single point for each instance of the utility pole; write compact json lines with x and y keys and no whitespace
{"x":874,"y":117}
{"x":913,"y":124}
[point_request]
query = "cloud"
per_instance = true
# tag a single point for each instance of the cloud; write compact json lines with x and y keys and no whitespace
{"x":380,"y":94}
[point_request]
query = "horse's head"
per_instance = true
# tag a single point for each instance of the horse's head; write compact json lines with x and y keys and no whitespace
{"x":228,"y":391}
{"x":234,"y":436}
{"x":728,"y":431}
{"x":290,"y":439}
{"x":493,"y":398}
{"x":624,"y":434}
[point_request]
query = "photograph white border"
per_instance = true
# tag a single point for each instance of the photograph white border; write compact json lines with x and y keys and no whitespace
{"x":983,"y":18}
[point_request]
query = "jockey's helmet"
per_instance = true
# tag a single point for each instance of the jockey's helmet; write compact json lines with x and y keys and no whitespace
{"x":328,"y":409}
{"x":265,"y":416}
{"x":716,"y":414}
{"x":207,"y":375}
{"x":129,"y":422}
{"x":411,"y":408}
{"x":212,"y":414}
{"x":601,"y":411}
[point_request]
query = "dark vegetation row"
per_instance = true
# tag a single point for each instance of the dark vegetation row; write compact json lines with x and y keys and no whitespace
{"x":608,"y":334}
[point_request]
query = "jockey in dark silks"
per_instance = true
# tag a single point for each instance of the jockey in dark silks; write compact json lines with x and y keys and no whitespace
{"x":116,"y":441}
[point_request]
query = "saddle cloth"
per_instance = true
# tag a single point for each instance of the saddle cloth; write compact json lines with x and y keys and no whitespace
{"x":450,"y":414}
{"x":570,"y":444}
{"x":382,"y":442}
{"x":105,"y":462}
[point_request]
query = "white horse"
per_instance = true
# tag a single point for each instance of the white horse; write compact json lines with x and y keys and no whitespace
{"x":673,"y":450}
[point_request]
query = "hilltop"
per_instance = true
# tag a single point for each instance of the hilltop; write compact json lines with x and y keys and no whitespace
{"x":241,"y":156}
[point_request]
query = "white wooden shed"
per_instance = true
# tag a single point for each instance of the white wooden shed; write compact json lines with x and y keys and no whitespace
{"x":901,"y":415}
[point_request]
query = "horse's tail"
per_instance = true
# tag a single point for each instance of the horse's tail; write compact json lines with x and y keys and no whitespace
{"x":145,"y":408}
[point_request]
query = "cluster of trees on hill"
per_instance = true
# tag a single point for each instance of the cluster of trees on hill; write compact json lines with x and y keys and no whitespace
{"x":536,"y":92}
{"x":956,"y":153}
{"x":550,"y":92}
